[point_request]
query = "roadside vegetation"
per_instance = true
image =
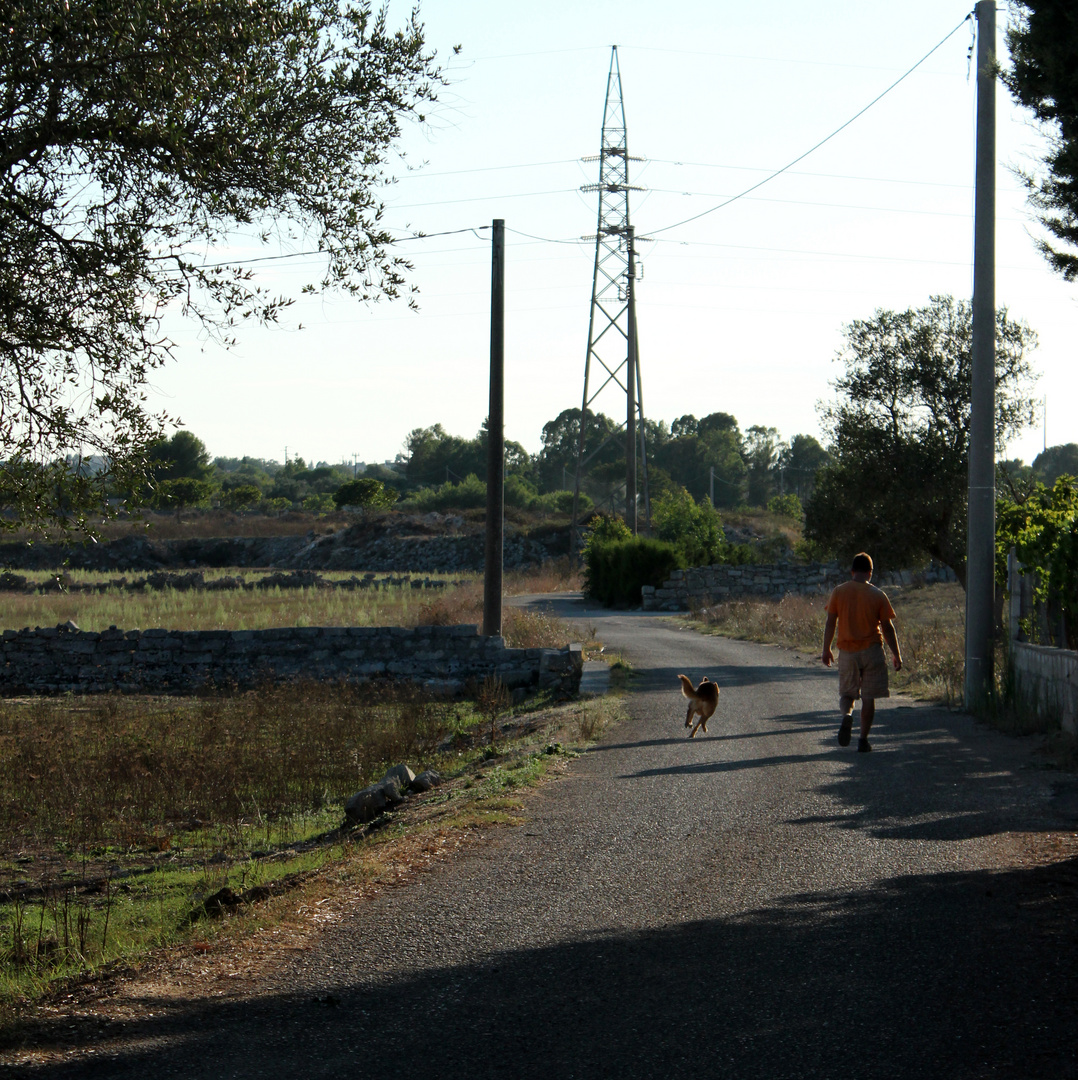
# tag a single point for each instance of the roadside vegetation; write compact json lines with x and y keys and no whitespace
{"x":132,"y":823}
{"x":392,"y":601}
{"x":930,"y":623}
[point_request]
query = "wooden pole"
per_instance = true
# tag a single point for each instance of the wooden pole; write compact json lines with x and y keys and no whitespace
{"x":493,"y":552}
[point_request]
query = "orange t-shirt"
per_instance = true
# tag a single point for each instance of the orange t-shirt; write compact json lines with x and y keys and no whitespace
{"x":860,"y":608}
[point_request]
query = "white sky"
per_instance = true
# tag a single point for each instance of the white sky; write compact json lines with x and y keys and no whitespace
{"x":740,"y":311}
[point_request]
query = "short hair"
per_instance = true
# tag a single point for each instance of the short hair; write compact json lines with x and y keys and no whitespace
{"x":862,"y":563}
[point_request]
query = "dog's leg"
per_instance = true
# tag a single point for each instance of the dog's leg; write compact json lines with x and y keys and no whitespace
{"x":688,"y":715}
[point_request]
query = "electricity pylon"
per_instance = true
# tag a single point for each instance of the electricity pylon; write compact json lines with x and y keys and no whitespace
{"x":612,"y":339}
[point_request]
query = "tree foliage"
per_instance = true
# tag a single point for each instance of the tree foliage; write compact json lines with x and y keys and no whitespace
{"x":365,"y":492}
{"x":698,"y":446}
{"x":1043,"y":42}
{"x":139,"y":137}
{"x":1056,"y":461}
{"x":799,"y":462}
{"x":182,"y":456}
{"x":694,"y":528}
{"x":436,"y":457}
{"x":897,"y":484}
{"x":1043,"y":530}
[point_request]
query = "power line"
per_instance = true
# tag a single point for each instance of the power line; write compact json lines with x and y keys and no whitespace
{"x":817,"y":175}
{"x":812,"y":202}
{"x":812,"y":149}
{"x":419,"y":174}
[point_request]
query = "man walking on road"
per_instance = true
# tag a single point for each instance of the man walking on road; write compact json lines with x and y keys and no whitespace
{"x":862,"y":614}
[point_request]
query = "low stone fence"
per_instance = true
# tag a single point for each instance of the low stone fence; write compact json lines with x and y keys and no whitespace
{"x":1046,"y":681}
{"x":441,"y":659}
{"x":702,"y":586}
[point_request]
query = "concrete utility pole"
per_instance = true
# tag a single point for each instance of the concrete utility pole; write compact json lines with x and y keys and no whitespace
{"x":981,"y":538}
{"x":493,"y":554}
{"x":630,"y":391}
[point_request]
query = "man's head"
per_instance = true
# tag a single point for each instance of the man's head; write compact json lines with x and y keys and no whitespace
{"x":861,"y":567}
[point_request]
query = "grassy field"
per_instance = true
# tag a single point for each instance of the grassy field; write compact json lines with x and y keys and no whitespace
{"x":120,"y":816}
{"x":930,"y":623}
{"x":258,"y":609}
{"x":123,"y":819}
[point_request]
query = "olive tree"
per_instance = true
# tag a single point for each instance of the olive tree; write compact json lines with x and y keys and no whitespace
{"x":140,"y":137}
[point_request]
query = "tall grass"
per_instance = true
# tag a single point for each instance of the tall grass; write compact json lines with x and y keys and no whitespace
{"x":94,"y":773}
{"x":119,"y":813}
{"x":930,"y":624}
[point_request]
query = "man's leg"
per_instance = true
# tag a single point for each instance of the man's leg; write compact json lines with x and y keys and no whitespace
{"x":868,"y":714}
{"x":845,"y":730}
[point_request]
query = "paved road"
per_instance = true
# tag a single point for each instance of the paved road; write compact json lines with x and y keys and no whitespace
{"x":753,"y":903}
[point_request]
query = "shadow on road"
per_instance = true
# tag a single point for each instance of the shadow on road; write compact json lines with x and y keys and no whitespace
{"x":905,"y":979}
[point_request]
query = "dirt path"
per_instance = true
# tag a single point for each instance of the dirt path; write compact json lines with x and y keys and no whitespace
{"x":756,"y":902}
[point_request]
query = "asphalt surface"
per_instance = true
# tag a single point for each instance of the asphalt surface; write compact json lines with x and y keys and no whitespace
{"x":756,"y":902}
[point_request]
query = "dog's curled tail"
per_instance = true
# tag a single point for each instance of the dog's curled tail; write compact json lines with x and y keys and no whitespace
{"x":687,"y":687}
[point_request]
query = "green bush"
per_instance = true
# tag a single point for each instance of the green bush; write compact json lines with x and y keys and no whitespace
{"x":364,"y":491}
{"x":786,"y":506}
{"x":470,"y":493}
{"x":241,"y":497}
{"x":561,"y":502}
{"x":519,"y":492}
{"x":616,"y":570}
{"x":182,"y":493}
{"x":694,"y":528}
{"x":319,"y":503}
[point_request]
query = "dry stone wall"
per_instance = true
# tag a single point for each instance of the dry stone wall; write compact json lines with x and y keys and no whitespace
{"x":441,"y":659}
{"x":702,"y":586}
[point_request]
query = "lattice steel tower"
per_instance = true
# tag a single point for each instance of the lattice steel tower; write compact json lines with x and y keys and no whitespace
{"x":612,"y":340}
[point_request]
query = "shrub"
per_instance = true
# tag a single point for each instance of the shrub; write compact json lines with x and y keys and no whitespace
{"x":520,"y":493}
{"x":616,"y":570}
{"x":364,"y":491}
{"x":320,"y":503}
{"x":241,"y":497}
{"x":181,"y":493}
{"x":561,"y":502}
{"x":605,"y":527}
{"x":786,"y":506}
{"x":695,"y":529}
{"x":470,"y":493}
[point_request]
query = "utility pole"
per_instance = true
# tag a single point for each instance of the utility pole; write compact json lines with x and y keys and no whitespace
{"x":981,"y":538}
{"x":711,"y":485}
{"x":630,"y":392}
{"x":493,"y":551}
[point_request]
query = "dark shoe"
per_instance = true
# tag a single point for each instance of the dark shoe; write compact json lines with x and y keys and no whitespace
{"x":863,"y":745}
{"x":845,"y":730}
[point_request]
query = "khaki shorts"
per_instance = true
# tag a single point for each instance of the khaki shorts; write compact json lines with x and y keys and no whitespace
{"x":863,"y":674}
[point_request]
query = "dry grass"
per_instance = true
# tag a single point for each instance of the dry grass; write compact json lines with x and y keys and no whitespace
{"x":232,"y":609}
{"x":930,"y":623}
{"x":461,"y":601}
{"x":208,"y":524}
{"x":119,"y":815}
{"x":96,"y":773}
{"x":127,"y":821}
{"x":521,"y":629}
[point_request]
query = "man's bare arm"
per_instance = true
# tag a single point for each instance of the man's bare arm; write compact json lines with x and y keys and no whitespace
{"x":828,"y":637}
{"x":887,"y":628}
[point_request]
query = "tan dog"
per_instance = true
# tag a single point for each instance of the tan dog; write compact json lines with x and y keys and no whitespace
{"x":702,"y":701}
